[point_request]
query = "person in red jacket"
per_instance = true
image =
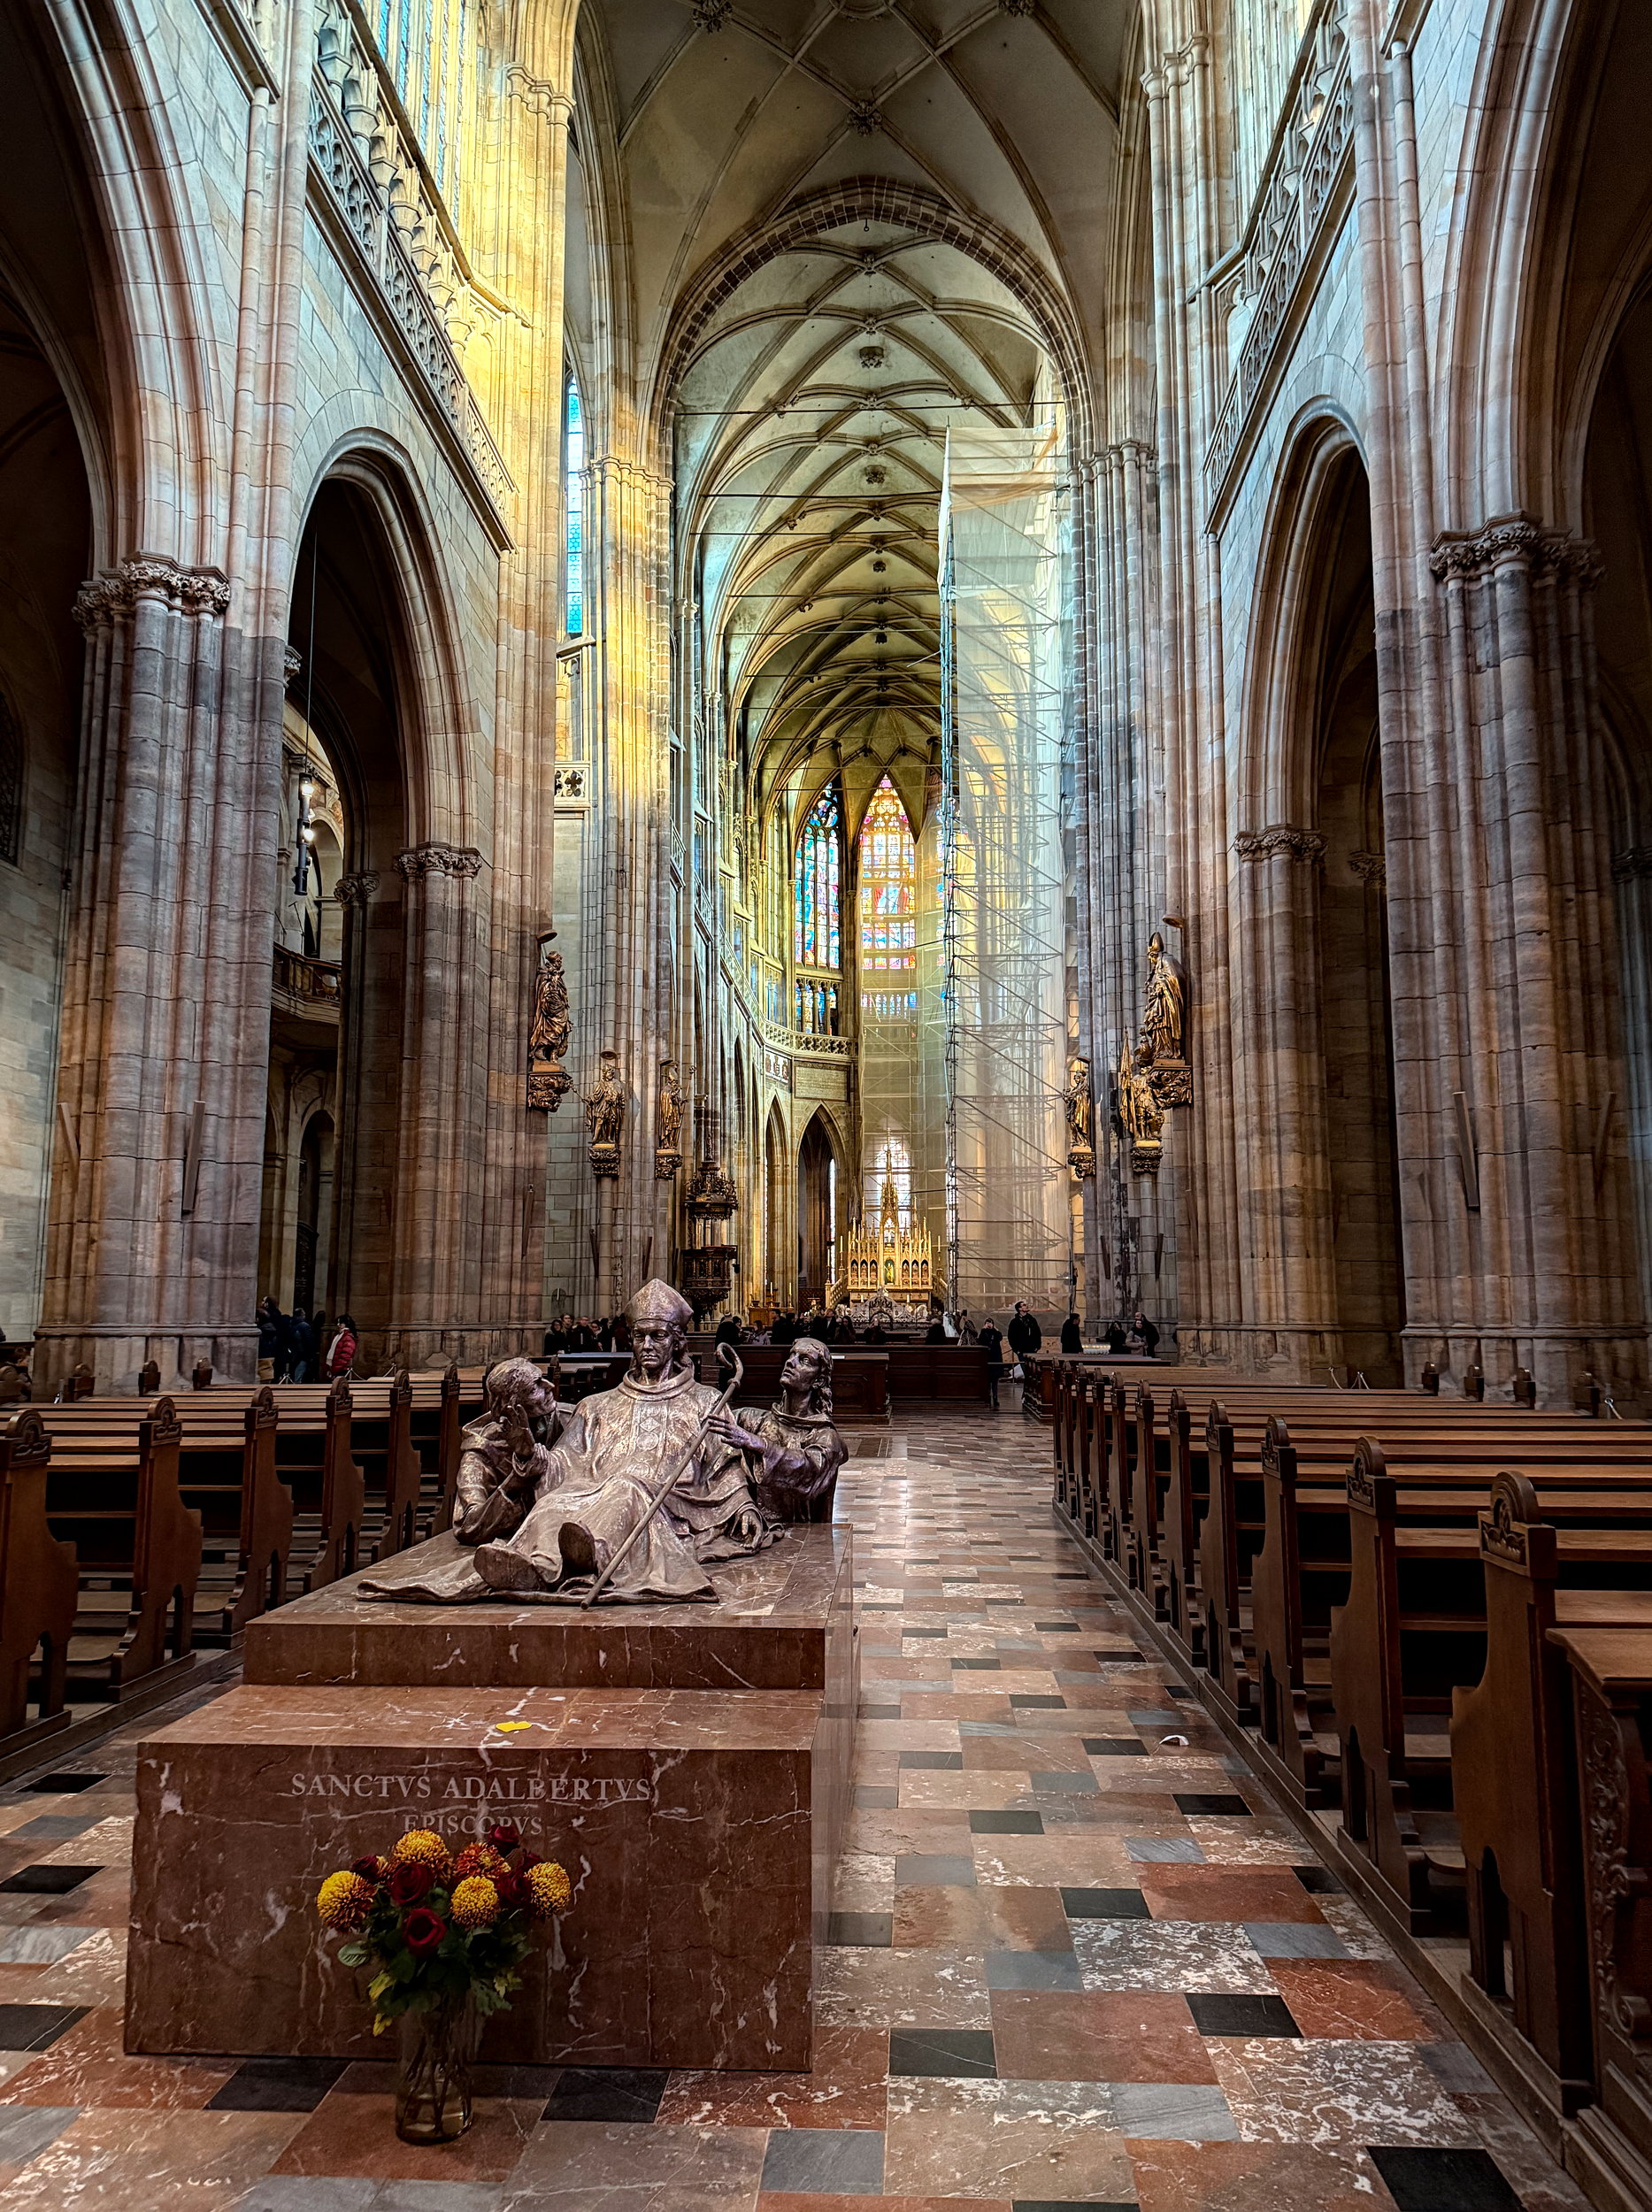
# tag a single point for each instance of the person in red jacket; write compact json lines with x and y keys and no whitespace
{"x":341,"y":1350}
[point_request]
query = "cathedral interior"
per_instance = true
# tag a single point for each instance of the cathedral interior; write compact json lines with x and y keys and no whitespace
{"x":891,"y":662}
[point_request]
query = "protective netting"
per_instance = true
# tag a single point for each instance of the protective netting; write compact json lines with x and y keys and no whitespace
{"x":1002,"y":1010}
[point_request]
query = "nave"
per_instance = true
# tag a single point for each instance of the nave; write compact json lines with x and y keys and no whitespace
{"x":1078,"y":1958}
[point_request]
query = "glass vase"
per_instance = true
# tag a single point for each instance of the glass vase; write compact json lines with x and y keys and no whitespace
{"x":433,"y":2082}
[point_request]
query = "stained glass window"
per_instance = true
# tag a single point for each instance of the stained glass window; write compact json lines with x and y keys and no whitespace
{"x":818,"y":887}
{"x":888,"y":902}
{"x":573,"y":574}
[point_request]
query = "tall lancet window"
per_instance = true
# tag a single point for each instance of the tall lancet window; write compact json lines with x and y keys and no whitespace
{"x":817,"y":913}
{"x":888,"y":909}
{"x":573,"y":519}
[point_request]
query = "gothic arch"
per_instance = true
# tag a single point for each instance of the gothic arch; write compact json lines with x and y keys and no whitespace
{"x":441,"y":799}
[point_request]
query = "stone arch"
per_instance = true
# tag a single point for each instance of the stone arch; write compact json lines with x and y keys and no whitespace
{"x":1313,"y":1011}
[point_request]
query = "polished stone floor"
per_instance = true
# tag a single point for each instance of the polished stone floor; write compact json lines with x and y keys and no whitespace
{"x":1076,"y":1962}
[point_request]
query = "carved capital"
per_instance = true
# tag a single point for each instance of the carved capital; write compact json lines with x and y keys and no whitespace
{"x":115,"y":591}
{"x":548,"y":1083}
{"x":1632,"y":864}
{"x":358,"y":889}
{"x":437,"y":858}
{"x":538,"y":97}
{"x":291,"y":663}
{"x":1369,"y":868}
{"x":1281,"y":840}
{"x":1515,"y":541}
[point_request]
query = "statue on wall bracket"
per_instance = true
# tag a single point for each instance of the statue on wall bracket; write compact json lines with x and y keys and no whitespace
{"x":1164,"y":1027}
{"x":548,"y":1081}
{"x":668,"y":1124}
{"x":1141,"y":1115}
{"x":606,"y":1115}
{"x":1081,"y":1119}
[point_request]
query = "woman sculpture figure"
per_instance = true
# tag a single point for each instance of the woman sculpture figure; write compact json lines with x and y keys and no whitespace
{"x":798,"y":1449}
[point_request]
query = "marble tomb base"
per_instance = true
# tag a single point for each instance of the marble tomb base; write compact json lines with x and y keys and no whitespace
{"x":698,"y":1824}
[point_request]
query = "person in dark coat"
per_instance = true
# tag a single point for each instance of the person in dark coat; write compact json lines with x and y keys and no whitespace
{"x":1025,"y":1338}
{"x":1071,"y":1335}
{"x":936,"y":1333}
{"x":305,"y":1351}
{"x":1143,"y":1330}
{"x":992,"y":1343}
{"x":1117,"y":1339}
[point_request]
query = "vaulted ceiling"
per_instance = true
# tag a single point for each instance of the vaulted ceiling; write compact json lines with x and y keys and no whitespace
{"x":851,"y":225}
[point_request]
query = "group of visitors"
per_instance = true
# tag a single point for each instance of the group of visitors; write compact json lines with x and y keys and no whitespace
{"x":568,"y":1334}
{"x":299,"y":1347}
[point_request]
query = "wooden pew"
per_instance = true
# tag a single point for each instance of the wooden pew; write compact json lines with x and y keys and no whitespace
{"x":40,"y":1587}
{"x":1514,"y":1783}
{"x":1300,"y":1569}
{"x":116,"y":1500}
{"x":382,"y":1442}
{"x":1413,"y":1630}
{"x":1610,"y":2143}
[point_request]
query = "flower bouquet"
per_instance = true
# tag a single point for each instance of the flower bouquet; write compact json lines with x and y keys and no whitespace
{"x":446,"y":1937}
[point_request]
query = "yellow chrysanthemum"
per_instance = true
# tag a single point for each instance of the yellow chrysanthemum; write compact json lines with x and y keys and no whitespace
{"x":421,"y":1847}
{"x":479,"y":1858}
{"x":344,"y":1901}
{"x":549,"y":1889}
{"x":475,"y":1902}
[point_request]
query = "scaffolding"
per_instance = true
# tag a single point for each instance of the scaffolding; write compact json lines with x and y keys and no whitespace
{"x":1001,"y":1007}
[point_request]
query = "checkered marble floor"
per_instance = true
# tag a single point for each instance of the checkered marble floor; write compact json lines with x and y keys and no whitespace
{"x":1076,"y":1961}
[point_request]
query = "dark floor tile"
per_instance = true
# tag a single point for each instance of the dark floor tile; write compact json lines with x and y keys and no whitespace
{"x":825,"y":2161}
{"x":1056,"y":1628}
{"x":48,"y":1881}
{"x":1115,"y":1748}
{"x":932,"y":1762}
{"x":278,"y":2085}
{"x":608,"y":2093}
{"x":865,"y":1931}
{"x":979,"y":1666}
{"x":36,"y":2027}
{"x":880,"y":1712}
{"x":957,"y":2053}
{"x":1318,"y":1881}
{"x":1104,"y":1904}
{"x":54,"y":1784}
{"x":1209,"y":1802}
{"x":999,"y":1823}
{"x":906,"y":1632}
{"x":1421,"y":2180}
{"x":1176,"y":1689}
{"x":1216,"y":2012}
{"x":1039,"y":1705}
{"x":874,"y":1797}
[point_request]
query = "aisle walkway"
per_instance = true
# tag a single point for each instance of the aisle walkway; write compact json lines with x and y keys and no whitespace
{"x":1075,"y":1961}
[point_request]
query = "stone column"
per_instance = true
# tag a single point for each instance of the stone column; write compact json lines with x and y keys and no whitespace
{"x":444,"y":1263}
{"x":154,"y":1238}
{"x":525,"y":410}
{"x":1188,"y":163}
{"x":1537,"y":1210}
{"x":630,"y":1001}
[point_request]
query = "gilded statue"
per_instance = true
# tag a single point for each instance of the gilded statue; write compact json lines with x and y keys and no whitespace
{"x":606,"y":1115}
{"x":1164,"y":1016}
{"x":1080,"y":1118}
{"x":549,"y":1082}
{"x":553,"y":1024}
{"x":1142,"y":1116}
{"x":668,"y":1123}
{"x":633,"y":1493}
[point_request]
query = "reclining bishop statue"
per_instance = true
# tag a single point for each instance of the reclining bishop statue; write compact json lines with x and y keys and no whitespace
{"x":634,"y":1492}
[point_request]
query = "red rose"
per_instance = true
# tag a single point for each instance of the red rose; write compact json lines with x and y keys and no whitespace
{"x":370,"y":1869}
{"x":423,"y":1931}
{"x":527,"y":1858}
{"x":409,"y":1882}
{"x":505,"y":1837}
{"x":513,"y":1889}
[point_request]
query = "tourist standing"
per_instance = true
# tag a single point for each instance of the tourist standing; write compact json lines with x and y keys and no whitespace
{"x":342,"y":1351}
{"x":1145,"y":1333}
{"x":1025,"y":1338}
{"x":991,"y":1342}
{"x":1071,"y":1335}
